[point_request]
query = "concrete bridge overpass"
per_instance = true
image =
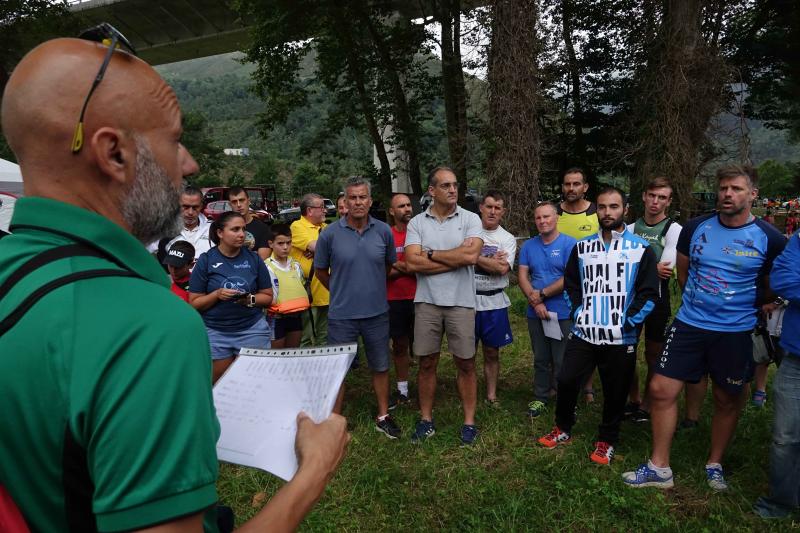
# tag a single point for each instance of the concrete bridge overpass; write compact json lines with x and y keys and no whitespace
{"x":165,"y":31}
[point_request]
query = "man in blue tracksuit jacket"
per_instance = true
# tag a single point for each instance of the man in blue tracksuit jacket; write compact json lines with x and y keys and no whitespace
{"x":784,"y":471}
{"x":611,"y":282}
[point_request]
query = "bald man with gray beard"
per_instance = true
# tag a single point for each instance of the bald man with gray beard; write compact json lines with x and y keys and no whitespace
{"x":108,"y":420}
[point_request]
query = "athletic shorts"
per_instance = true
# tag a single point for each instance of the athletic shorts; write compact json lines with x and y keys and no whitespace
{"x":492,"y":328}
{"x":690,"y":352}
{"x":374,"y":331}
{"x":656,"y":322}
{"x":401,"y":318}
{"x":431,"y":322}
{"x":226,"y":344}
{"x":288,"y":323}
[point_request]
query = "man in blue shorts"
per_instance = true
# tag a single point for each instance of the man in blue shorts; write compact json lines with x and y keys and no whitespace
{"x":359,"y":251}
{"x":492,"y":327}
{"x":723,"y":261}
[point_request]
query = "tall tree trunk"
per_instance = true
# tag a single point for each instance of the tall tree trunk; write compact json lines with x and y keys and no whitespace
{"x":575,"y":81}
{"x":405,"y":125}
{"x":454,"y":89}
{"x":681,"y":90}
{"x":514,"y":159}
{"x":357,"y":75}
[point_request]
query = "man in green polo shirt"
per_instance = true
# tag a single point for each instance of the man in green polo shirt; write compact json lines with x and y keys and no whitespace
{"x":108,"y":420}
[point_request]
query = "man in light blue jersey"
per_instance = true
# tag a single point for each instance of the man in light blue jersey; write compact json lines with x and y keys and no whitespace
{"x":723,"y":261}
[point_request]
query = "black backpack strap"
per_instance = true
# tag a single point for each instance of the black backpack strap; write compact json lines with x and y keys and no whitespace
{"x":666,"y":229}
{"x":47,"y":257}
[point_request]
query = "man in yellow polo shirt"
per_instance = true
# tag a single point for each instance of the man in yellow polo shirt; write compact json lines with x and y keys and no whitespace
{"x":577,"y":215}
{"x":305,"y":233}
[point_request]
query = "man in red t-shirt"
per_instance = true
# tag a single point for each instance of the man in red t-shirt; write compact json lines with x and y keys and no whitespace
{"x":400,"y":290}
{"x":179,"y":261}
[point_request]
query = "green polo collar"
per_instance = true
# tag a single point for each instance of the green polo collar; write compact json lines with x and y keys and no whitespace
{"x":75,"y":223}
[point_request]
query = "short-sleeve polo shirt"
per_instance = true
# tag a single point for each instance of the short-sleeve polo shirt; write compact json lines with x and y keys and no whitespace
{"x":357,"y":261}
{"x":303,"y":232}
{"x":99,"y":426}
{"x":456,"y":287}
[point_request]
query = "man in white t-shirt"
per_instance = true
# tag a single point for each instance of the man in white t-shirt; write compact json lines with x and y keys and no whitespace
{"x":492,"y":327}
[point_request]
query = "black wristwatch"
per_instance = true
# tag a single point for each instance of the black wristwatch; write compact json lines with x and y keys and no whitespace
{"x":430,"y":255}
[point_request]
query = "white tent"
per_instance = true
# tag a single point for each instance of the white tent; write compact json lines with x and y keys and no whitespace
{"x":10,"y":177}
{"x":10,"y":182}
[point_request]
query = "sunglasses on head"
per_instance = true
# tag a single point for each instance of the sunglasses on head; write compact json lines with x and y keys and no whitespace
{"x":108,"y":35}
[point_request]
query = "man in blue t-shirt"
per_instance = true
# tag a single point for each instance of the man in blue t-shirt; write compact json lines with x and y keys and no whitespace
{"x":784,"y":459}
{"x":359,"y":251}
{"x":723,"y":262}
{"x":541,"y":277}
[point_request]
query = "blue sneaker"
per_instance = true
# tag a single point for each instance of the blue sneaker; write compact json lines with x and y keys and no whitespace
{"x":644,"y":476}
{"x":715,"y":478}
{"x":424,"y":430}
{"x":468,"y":434}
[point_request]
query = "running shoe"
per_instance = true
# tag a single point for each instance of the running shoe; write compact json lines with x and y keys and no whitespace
{"x":388,"y":427}
{"x":639,"y":416}
{"x":644,"y":476}
{"x":535,"y":408}
{"x":554,"y":438}
{"x":424,"y":430}
{"x":759,"y":398}
{"x":603,"y":453}
{"x":397,"y":399}
{"x":469,"y":433}
{"x":715,"y":478}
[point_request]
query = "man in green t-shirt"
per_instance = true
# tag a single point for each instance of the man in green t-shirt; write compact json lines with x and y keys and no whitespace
{"x":108,"y":419}
{"x":662,"y":233}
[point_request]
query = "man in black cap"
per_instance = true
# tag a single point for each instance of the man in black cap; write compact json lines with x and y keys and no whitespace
{"x":179,"y":261}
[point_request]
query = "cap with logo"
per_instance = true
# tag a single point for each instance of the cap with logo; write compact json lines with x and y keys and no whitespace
{"x":180,"y":254}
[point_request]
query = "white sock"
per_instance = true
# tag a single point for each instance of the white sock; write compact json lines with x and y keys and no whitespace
{"x":381,"y":418}
{"x":402,"y":386}
{"x":662,"y":472}
{"x":713,"y":465}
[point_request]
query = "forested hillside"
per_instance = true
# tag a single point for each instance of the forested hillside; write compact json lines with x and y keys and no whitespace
{"x":317,"y":148}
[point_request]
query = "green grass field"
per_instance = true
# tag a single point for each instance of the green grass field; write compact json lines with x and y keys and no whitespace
{"x":508,"y":483}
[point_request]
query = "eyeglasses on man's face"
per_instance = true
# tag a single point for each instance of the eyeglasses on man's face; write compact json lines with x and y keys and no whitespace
{"x":108,"y":35}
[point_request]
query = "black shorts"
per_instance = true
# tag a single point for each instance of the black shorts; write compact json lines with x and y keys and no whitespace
{"x":288,"y":323}
{"x":691,"y":352}
{"x":655,"y":324}
{"x":401,"y":318}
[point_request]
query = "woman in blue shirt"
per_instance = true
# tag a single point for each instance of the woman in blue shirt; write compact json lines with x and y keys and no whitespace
{"x":230,"y":286}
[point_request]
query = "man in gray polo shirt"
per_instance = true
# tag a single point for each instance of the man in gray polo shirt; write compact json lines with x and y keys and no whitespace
{"x":359,"y":251}
{"x":442,"y":246}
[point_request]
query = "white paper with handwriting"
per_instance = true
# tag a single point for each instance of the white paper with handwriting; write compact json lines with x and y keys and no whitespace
{"x":259,"y":396}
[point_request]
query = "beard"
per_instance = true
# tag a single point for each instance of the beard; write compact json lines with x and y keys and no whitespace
{"x":614,"y":224}
{"x":152,"y":206}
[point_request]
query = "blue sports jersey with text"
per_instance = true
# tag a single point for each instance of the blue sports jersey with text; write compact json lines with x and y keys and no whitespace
{"x":726,"y":266}
{"x":245,"y":273}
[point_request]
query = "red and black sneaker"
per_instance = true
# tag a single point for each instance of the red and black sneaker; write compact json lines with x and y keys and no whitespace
{"x":554,"y":438}
{"x":603,"y":453}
